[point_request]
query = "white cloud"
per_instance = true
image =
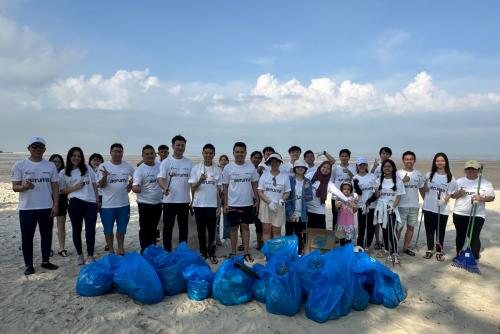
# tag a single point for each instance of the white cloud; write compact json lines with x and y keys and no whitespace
{"x":262,"y":61}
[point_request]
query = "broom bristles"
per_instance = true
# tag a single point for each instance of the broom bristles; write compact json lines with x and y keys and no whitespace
{"x":466,"y":260}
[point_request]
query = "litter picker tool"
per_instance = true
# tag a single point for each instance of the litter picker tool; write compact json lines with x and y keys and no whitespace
{"x":439,"y":247}
{"x":465,"y":259}
{"x":418,"y":232}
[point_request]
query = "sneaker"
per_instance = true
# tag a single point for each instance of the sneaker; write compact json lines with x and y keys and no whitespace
{"x":29,"y":270}
{"x":89,"y":259}
{"x":80,"y":260}
{"x":395,"y":259}
{"x":49,"y":266}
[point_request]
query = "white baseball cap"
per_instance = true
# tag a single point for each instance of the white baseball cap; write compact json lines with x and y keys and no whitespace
{"x":36,"y":139}
{"x":274,"y":156}
{"x":361,"y":160}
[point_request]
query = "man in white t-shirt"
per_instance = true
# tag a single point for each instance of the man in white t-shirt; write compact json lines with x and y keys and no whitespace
{"x":206,"y":183}
{"x":173,"y":180}
{"x":294,"y":152}
{"x":149,"y":194}
{"x":239,"y":180}
{"x":408,"y":207}
{"x":115,"y":180}
{"x":36,"y":181}
{"x":310,"y":158}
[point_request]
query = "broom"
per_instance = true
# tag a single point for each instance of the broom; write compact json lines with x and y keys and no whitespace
{"x":466,"y":259}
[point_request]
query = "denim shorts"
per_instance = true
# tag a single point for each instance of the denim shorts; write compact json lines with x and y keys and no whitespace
{"x":121,"y":215}
{"x":409,"y":216}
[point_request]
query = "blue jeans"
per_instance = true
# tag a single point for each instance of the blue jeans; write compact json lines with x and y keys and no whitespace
{"x":28,"y":220}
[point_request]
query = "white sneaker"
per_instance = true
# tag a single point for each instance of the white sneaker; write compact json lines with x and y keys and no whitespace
{"x":80,"y":260}
{"x":89,"y":259}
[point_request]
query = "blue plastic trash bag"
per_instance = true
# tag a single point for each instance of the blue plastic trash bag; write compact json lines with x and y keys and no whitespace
{"x":260,"y":285}
{"x":199,"y":281}
{"x":139,"y":279}
{"x":308,"y":268}
{"x":231,"y":285}
{"x":156,"y":256}
{"x":342,"y":259}
{"x":286,"y":246}
{"x":171,"y":273}
{"x":283,"y":293}
{"x":361,"y":296}
{"x":96,"y":278}
{"x":323,"y":302}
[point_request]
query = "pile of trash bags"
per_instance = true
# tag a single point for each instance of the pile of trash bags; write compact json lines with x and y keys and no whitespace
{"x":329,"y":285}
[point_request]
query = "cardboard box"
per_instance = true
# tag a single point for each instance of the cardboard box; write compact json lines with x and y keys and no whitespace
{"x":317,"y":238}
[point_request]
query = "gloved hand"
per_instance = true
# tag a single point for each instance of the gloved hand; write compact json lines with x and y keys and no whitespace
{"x":281,"y":202}
{"x":390,"y":208}
{"x":273,"y":206}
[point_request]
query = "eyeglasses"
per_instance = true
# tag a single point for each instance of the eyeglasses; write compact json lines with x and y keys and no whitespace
{"x":274,"y":181}
{"x":37,"y":146}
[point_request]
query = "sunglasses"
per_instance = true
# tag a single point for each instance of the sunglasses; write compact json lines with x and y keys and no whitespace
{"x":37,"y":146}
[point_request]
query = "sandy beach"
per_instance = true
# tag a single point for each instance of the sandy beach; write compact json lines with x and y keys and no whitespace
{"x":441,"y":298}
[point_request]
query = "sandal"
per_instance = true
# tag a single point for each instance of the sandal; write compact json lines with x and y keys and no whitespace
{"x":248,"y":258}
{"x":409,"y":252}
{"x":428,"y":255}
{"x":63,"y":253}
{"x":440,"y":257}
{"x":213,"y":259}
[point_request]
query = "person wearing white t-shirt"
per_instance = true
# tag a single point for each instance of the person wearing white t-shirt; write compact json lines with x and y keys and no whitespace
{"x":226,"y":227}
{"x":342,"y":173}
{"x":439,"y":185}
{"x":79,"y":183}
{"x":206,"y":181}
{"x":310,"y":157}
{"x":36,"y":181}
{"x":274,"y":189}
{"x":115,"y":180}
{"x":414,"y":182}
{"x":466,"y":194}
{"x":239,"y":181}
{"x":149,"y":194}
{"x":384,"y":153}
{"x":173,"y":180}
{"x":256,"y":160}
{"x":364,"y":186}
{"x":294,"y":153}
{"x":267,"y":151}
{"x":389,"y":192}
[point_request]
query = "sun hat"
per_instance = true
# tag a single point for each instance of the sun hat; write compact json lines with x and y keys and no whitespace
{"x":274,"y":156}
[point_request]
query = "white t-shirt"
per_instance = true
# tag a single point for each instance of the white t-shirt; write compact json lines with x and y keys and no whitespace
{"x":240,"y":178}
{"x":313,"y":169}
{"x":115,"y":194}
{"x":387,"y":194}
{"x":41,"y":174}
{"x":206,"y":194}
{"x":378,"y":171}
{"x":274,"y":190}
{"x":146,"y":177}
{"x":463,"y":204}
{"x":367,"y":184}
{"x":315,"y":205}
{"x":87,"y":193}
{"x":338,"y":176}
{"x":288,"y":166}
{"x":176,"y":173}
{"x":439,"y":183}
{"x":417,"y":181}
{"x":298,"y":202}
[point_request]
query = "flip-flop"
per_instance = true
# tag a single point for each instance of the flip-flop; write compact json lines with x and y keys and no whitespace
{"x":248,"y":258}
{"x":409,"y":252}
{"x":427,"y":255}
{"x":440,"y":257}
{"x":63,"y":253}
{"x":213,"y":259}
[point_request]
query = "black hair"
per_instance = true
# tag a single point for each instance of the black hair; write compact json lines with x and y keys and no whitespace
{"x":82,"y":166}
{"x":239,"y":144}
{"x":178,"y":137}
{"x":95,"y":155}
{"x":345,"y":150}
{"x":254,"y":153}
{"x":388,"y":161}
{"x":268,"y":149}
{"x":385,"y":149}
{"x":294,"y":148}
{"x":409,"y":153}
{"x":446,"y":166}
{"x":162,"y":147}
{"x":224,"y":156}
{"x":209,"y":146}
{"x":53,"y":156}
{"x":147,"y":147}
{"x":115,"y":145}
{"x":308,"y":152}
{"x":346,"y":184}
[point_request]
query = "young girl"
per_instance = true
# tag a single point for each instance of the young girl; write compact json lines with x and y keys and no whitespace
{"x":389,"y":193}
{"x":438,"y":186}
{"x":345,"y":229}
{"x":58,"y":161}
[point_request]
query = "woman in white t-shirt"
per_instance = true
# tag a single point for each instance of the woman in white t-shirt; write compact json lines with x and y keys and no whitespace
{"x":58,"y":161}
{"x":79,"y":183}
{"x":465,"y":195}
{"x":274,"y":189}
{"x":439,"y":184}
{"x":389,"y":191}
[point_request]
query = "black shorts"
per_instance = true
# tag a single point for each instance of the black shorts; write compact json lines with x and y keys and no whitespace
{"x":241,"y":215}
{"x":63,"y":205}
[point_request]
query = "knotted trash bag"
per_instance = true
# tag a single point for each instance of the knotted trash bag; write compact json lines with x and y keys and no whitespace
{"x":232,"y":286}
{"x":283,"y":293}
{"x":260,"y":285}
{"x":308,"y":268}
{"x":199,"y":281}
{"x":285,"y":246}
{"x":156,"y":256}
{"x":96,"y":278}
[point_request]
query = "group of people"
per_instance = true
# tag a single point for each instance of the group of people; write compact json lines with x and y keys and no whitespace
{"x":265,"y":191}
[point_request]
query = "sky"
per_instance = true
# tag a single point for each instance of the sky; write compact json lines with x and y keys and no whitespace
{"x":322,"y":75}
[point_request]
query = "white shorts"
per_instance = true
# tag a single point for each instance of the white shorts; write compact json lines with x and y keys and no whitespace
{"x":276,"y":218}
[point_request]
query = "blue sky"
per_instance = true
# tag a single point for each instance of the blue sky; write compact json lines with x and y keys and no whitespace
{"x":381,"y":66}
